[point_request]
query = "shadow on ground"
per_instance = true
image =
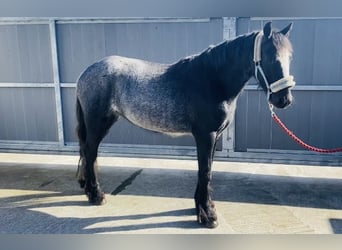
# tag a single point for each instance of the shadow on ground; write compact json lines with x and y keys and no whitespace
{"x":228,"y":187}
{"x":336,"y":225}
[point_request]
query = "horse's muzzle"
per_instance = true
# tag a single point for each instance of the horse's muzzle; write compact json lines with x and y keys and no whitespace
{"x":281,"y":99}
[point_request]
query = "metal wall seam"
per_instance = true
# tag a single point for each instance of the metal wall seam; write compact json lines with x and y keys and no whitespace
{"x":70,"y":20}
{"x":58,"y":94}
{"x":22,"y":20}
{"x":228,"y":135}
{"x":26,"y":85}
{"x":131,"y":20}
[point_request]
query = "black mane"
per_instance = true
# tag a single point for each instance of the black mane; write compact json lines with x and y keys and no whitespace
{"x":216,"y":59}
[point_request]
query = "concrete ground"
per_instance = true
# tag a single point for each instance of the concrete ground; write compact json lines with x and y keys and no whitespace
{"x":39,"y":194}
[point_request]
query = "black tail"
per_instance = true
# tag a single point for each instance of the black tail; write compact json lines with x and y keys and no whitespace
{"x":81,"y":128}
{"x":82,"y":137}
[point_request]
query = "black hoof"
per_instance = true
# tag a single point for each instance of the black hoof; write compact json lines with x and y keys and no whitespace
{"x":96,"y":200}
{"x":95,"y":195}
{"x":209,"y":223}
{"x":208,"y":219}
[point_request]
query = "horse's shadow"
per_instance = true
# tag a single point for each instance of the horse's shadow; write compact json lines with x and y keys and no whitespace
{"x":59,"y":182}
{"x":25,"y":213}
{"x":44,"y":223}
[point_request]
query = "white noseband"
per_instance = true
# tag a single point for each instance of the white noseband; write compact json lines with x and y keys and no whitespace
{"x":283,"y":83}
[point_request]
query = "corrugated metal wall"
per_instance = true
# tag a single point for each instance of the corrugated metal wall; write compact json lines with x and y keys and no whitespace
{"x":24,"y":52}
{"x":29,"y":78}
{"x":27,"y":114}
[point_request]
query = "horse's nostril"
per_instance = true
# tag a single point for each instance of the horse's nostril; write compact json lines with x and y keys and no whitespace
{"x":286,"y":101}
{"x":282,"y":100}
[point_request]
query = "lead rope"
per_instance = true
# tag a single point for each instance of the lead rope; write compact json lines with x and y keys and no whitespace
{"x":298,"y":140}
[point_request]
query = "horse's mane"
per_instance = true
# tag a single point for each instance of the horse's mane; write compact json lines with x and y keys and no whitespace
{"x":213,"y":58}
{"x":217,"y":56}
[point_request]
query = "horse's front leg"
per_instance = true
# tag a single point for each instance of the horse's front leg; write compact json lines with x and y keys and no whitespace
{"x":205,"y":208}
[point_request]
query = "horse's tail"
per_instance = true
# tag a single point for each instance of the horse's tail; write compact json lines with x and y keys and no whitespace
{"x":81,"y":128}
{"x":82,"y":137}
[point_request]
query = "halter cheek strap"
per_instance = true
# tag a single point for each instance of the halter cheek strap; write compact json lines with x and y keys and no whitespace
{"x":283,"y":83}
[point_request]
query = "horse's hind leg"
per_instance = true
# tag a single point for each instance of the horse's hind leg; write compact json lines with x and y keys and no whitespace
{"x":96,"y":130}
{"x":92,"y":186}
{"x":205,"y":208}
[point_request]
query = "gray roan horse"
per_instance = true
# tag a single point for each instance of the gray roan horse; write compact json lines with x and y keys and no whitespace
{"x":196,"y":95}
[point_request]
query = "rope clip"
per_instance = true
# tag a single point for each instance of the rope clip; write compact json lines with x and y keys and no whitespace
{"x":271,"y":107}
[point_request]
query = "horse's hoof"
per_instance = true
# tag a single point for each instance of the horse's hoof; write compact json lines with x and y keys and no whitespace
{"x":211,"y":224}
{"x":97,"y":200}
{"x":207,"y":221}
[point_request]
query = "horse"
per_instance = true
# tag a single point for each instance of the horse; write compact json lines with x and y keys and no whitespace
{"x":196,"y":95}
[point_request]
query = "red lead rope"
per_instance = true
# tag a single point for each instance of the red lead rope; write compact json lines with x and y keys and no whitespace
{"x":299,"y":141}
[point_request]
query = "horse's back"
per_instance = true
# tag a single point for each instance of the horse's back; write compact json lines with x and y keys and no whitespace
{"x":114,"y":72}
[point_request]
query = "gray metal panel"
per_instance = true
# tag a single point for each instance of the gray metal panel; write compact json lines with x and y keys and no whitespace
{"x":328,"y":52}
{"x":79,"y":45}
{"x":69,"y":115}
{"x":252,"y":123}
{"x":27,"y":114}
{"x":25,"y":53}
{"x":245,"y":25}
{"x":315,"y":116}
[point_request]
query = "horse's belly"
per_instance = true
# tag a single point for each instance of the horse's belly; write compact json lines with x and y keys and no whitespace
{"x":159,"y":122}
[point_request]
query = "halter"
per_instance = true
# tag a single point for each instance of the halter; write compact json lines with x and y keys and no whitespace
{"x":283,"y":83}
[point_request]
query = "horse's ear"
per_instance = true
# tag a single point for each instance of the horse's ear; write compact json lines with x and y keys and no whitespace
{"x":268,"y":30}
{"x":287,"y":29}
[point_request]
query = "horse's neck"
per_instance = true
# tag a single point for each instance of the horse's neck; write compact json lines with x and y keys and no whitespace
{"x":237,"y":66}
{"x":228,"y":65}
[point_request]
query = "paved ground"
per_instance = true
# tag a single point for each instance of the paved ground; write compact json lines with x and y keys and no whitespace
{"x":39,"y":194}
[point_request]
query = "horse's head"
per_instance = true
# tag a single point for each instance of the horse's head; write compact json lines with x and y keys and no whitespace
{"x":272,"y":56}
